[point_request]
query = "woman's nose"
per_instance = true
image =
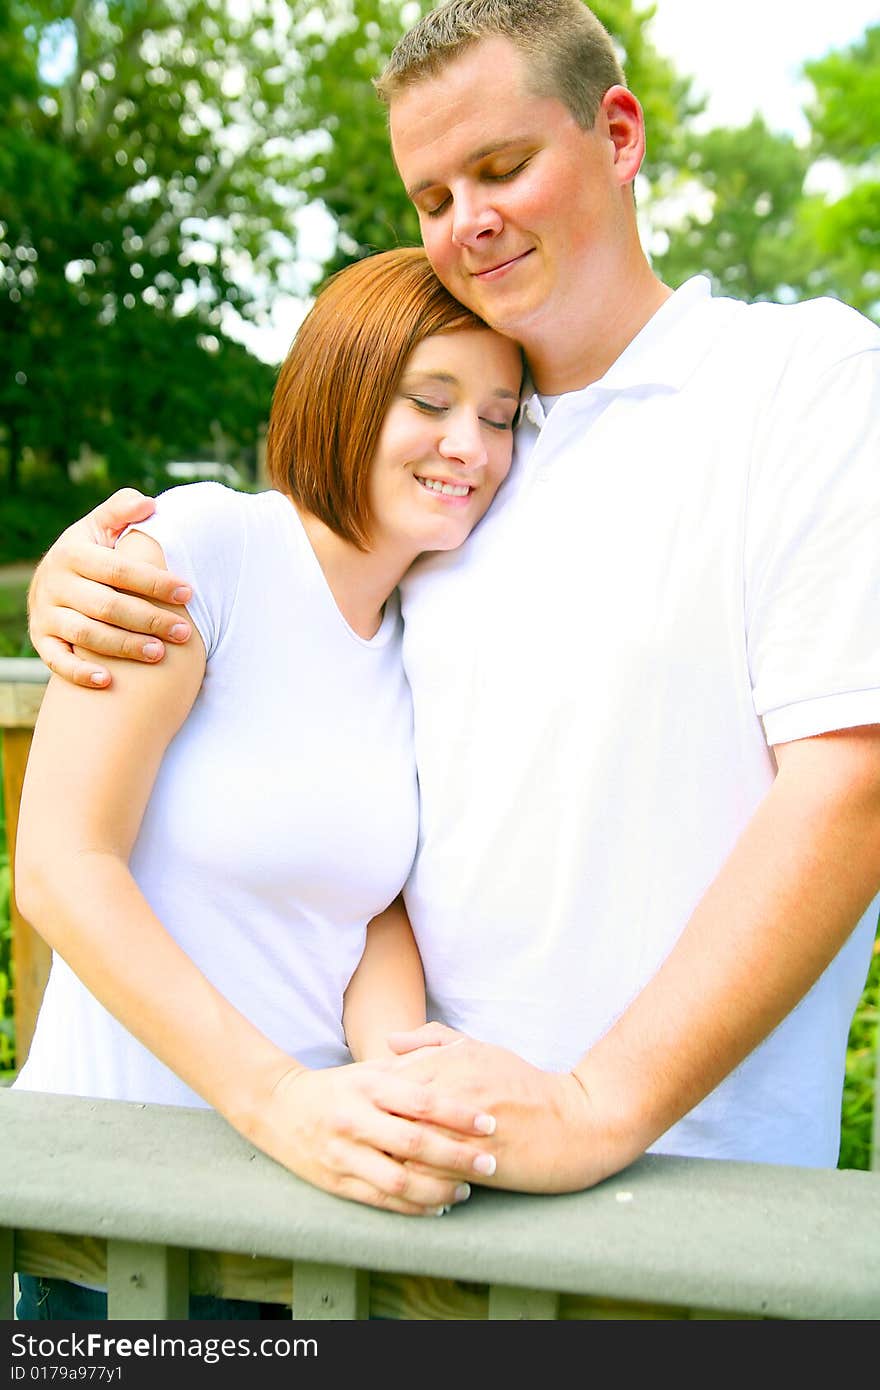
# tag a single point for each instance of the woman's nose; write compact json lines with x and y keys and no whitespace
{"x":463,"y":440}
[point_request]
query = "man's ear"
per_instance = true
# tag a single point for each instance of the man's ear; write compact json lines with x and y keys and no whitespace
{"x":622,"y":116}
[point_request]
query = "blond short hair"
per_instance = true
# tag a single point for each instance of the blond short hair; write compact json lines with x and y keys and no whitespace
{"x":570,"y":55}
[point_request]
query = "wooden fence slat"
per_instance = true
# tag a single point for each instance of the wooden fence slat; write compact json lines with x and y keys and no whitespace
{"x":81,"y":1259}
{"x":522,"y":1305}
{"x":146,"y":1281}
{"x":7,"y":1270}
{"x":329,"y":1291}
{"x":22,"y":686}
{"x":31,"y":957}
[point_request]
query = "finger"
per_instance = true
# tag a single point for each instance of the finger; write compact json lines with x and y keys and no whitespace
{"x":62,"y":662}
{"x":84,"y":560}
{"x":395,"y":1093}
{"x":428,"y":1035}
{"x":356,"y":1190}
{"x":397,"y":1186}
{"x":433,"y":1150}
{"x":91,"y":639}
{"x":111,"y":517}
{"x":127,"y":612}
{"x":483,"y":1179}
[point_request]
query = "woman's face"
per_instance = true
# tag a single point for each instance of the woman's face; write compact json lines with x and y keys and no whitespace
{"x":446,"y":441}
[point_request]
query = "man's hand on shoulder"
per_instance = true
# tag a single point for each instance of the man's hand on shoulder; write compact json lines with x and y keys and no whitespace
{"x":85,"y":595}
{"x":548,"y":1137}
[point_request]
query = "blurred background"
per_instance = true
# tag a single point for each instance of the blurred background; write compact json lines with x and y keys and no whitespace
{"x":176,"y":177}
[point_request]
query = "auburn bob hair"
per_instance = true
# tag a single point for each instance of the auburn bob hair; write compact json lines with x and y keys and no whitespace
{"x":339,"y":378}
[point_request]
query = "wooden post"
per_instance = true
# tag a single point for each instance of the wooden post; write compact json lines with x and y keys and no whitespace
{"x":147,"y":1281}
{"x":329,"y":1291}
{"x":521,"y":1305}
{"x":22,"y":684}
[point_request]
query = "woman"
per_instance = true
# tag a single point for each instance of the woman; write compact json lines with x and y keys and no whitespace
{"x":205,"y":846}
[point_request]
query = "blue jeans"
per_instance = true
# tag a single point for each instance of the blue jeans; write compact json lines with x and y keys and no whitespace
{"x":56,"y":1300}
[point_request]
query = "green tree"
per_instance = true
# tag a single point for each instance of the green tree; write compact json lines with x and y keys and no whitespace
{"x":845,"y":120}
{"x":752,"y":223}
{"x":743,"y":224}
{"x":147,"y":157}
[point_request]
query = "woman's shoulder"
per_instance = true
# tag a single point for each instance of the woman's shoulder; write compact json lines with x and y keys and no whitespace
{"x":213,"y":500}
{"x":212,"y":514}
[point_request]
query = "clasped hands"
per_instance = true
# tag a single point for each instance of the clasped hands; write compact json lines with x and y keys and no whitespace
{"x":411,"y":1133}
{"x":546,"y":1136}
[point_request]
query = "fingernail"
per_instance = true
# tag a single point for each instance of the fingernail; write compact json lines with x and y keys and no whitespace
{"x":462,"y":1192}
{"x":98,"y":678}
{"x":182,"y":594}
{"x":485,"y":1124}
{"x":179,"y":632}
{"x":485,"y":1164}
{"x":152,"y":651}
{"x":440,"y":1211}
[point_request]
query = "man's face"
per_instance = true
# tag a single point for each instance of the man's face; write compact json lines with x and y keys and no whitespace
{"x":521,"y":210}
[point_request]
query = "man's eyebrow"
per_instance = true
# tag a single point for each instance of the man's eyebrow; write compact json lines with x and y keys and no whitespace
{"x":483,"y":152}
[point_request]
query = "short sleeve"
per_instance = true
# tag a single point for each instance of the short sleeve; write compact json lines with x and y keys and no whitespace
{"x":812,"y":541}
{"x":200,"y":527}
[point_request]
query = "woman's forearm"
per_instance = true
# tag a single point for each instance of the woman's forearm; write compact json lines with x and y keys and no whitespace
{"x":342,"y":1128}
{"x":387,"y":991}
{"x":90,"y":910}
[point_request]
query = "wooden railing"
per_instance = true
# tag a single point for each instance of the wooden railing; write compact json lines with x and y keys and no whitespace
{"x":153,"y":1202}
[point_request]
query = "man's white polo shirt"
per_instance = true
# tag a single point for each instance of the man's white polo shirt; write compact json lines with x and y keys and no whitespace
{"x":682,"y":569}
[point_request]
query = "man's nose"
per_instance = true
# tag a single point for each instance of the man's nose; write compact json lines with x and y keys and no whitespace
{"x":475,"y":218}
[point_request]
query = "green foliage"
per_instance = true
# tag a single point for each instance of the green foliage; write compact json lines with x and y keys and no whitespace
{"x":32,"y":519}
{"x":845,"y":111}
{"x":7,"y":1028}
{"x":351,"y":171}
{"x":755,"y":229}
{"x":740,"y":232}
{"x":861,"y":1061}
{"x":845,"y":120}
{"x":14,"y":640}
{"x":144,"y":173}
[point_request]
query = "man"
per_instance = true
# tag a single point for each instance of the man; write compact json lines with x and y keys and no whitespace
{"x":647,"y":691}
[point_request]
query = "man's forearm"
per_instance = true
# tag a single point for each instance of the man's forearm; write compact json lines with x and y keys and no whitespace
{"x":800,"y":877}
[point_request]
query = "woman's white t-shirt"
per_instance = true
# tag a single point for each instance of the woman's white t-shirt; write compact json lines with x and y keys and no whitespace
{"x":285,"y":812}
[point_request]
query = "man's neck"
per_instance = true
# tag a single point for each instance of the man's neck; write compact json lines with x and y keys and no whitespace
{"x":573,"y":354}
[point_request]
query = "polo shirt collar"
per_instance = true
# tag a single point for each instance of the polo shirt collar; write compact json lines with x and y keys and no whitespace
{"x":664,"y":354}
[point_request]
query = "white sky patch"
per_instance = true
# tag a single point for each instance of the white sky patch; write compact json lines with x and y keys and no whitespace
{"x":271,"y":337}
{"x":747,"y":56}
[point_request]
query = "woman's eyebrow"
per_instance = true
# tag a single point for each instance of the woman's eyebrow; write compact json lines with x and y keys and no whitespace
{"x":447,"y":379}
